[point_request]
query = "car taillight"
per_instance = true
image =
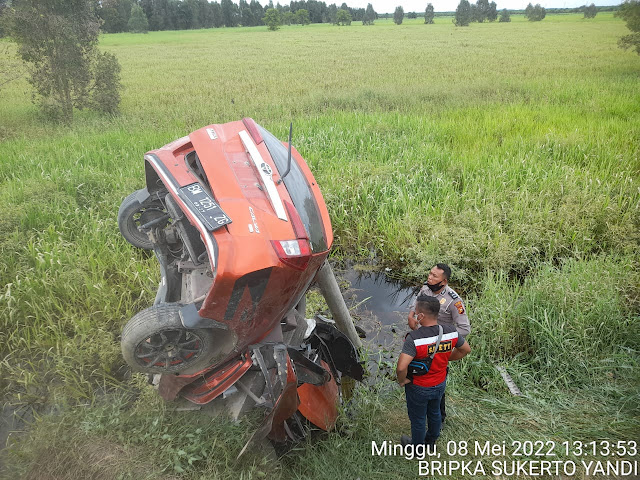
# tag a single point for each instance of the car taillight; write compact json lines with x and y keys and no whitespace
{"x":295,"y":253}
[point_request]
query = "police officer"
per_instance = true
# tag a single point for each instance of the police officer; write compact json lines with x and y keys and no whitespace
{"x":452,"y":309}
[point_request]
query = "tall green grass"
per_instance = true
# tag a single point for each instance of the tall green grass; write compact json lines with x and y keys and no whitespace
{"x":510,"y":151}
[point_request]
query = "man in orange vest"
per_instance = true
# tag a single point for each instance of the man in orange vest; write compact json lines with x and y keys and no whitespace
{"x":424,"y":392}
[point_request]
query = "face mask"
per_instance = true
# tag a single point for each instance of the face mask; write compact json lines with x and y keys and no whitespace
{"x":435,"y":288}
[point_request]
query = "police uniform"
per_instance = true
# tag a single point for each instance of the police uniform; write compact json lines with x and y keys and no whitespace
{"x":452,"y":309}
{"x":452,"y":312}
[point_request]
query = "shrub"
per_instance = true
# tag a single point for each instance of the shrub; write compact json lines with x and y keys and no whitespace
{"x":343,"y":17}
{"x":591,"y":11}
{"x":105,"y":93}
{"x":302,"y":17}
{"x":272,"y":19}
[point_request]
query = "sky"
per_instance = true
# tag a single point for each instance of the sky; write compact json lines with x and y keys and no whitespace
{"x":388,"y":6}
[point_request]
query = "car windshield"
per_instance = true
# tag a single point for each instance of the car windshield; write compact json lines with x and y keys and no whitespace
{"x":299,"y":191}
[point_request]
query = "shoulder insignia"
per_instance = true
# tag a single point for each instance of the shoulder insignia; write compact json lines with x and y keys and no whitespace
{"x":453,"y":294}
{"x":460,"y":307}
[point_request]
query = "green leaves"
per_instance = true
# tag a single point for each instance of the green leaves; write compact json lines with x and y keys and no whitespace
{"x":58,"y":40}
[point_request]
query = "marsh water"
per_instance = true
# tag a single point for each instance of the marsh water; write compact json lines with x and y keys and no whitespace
{"x":379,"y":305}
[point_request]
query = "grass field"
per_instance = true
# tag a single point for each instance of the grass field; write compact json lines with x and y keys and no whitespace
{"x":510,"y":151}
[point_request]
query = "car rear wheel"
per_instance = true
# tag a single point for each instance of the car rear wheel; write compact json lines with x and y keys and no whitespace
{"x":155,"y":341}
{"x":133,"y":214}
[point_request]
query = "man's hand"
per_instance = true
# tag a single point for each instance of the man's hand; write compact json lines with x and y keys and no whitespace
{"x":460,"y":352}
{"x":401,"y":369}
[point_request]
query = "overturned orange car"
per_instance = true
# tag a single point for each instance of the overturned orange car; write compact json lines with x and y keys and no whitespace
{"x":239,"y":227}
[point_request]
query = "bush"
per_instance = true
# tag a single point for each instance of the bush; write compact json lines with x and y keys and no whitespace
{"x":505,"y":16}
{"x":302,"y":17}
{"x":272,"y":19}
{"x":105,"y":93}
{"x":591,"y":11}
{"x":343,"y":17}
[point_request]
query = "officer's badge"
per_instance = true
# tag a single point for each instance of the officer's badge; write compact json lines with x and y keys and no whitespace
{"x":442,"y":300}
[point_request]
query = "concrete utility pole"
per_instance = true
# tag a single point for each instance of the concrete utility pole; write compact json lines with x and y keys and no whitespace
{"x":331,"y":292}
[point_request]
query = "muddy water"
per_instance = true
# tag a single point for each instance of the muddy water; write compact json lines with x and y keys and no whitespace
{"x":379,"y":306}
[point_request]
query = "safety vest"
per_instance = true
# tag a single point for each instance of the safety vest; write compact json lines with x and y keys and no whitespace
{"x":424,"y":339}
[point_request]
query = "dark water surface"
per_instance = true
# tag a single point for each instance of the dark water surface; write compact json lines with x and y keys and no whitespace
{"x":382,"y":306}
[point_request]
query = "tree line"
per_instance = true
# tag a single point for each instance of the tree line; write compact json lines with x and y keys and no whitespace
{"x":193,"y":14}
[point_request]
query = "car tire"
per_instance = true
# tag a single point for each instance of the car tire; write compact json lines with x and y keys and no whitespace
{"x":155,"y":341}
{"x":133,"y":214}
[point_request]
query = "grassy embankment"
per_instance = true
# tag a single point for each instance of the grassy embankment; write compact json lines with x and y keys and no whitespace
{"x":508,"y":150}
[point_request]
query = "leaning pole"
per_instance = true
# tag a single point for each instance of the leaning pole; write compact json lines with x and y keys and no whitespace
{"x":331,"y":292}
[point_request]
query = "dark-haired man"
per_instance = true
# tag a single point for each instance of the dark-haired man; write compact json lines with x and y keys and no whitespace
{"x":424,"y":392}
{"x":452,"y":309}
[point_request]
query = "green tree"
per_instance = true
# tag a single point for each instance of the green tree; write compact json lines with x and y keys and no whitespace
{"x":256,"y":10}
{"x":492,"y":13}
{"x":288,"y":18}
{"x":474,"y":12}
{"x":332,"y":11}
{"x":58,"y":39}
{"x":591,"y":11}
{"x":229,"y":13}
{"x":3,"y":9}
{"x":412,"y":15}
{"x":505,"y":16}
{"x":369,"y":15}
{"x":138,"y":22}
{"x":429,"y":14}
{"x":218,"y":18}
{"x":272,"y":19}
{"x":463,"y":14}
{"x":124,"y":10}
{"x":535,"y":14}
{"x":398,"y":15}
{"x":302,"y":17}
{"x":481,"y":10}
{"x":630,"y":12}
{"x":528,"y":11}
{"x":343,"y":17}
{"x":111,"y":22}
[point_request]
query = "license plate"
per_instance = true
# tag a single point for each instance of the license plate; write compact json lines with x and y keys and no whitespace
{"x":204,"y":206}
